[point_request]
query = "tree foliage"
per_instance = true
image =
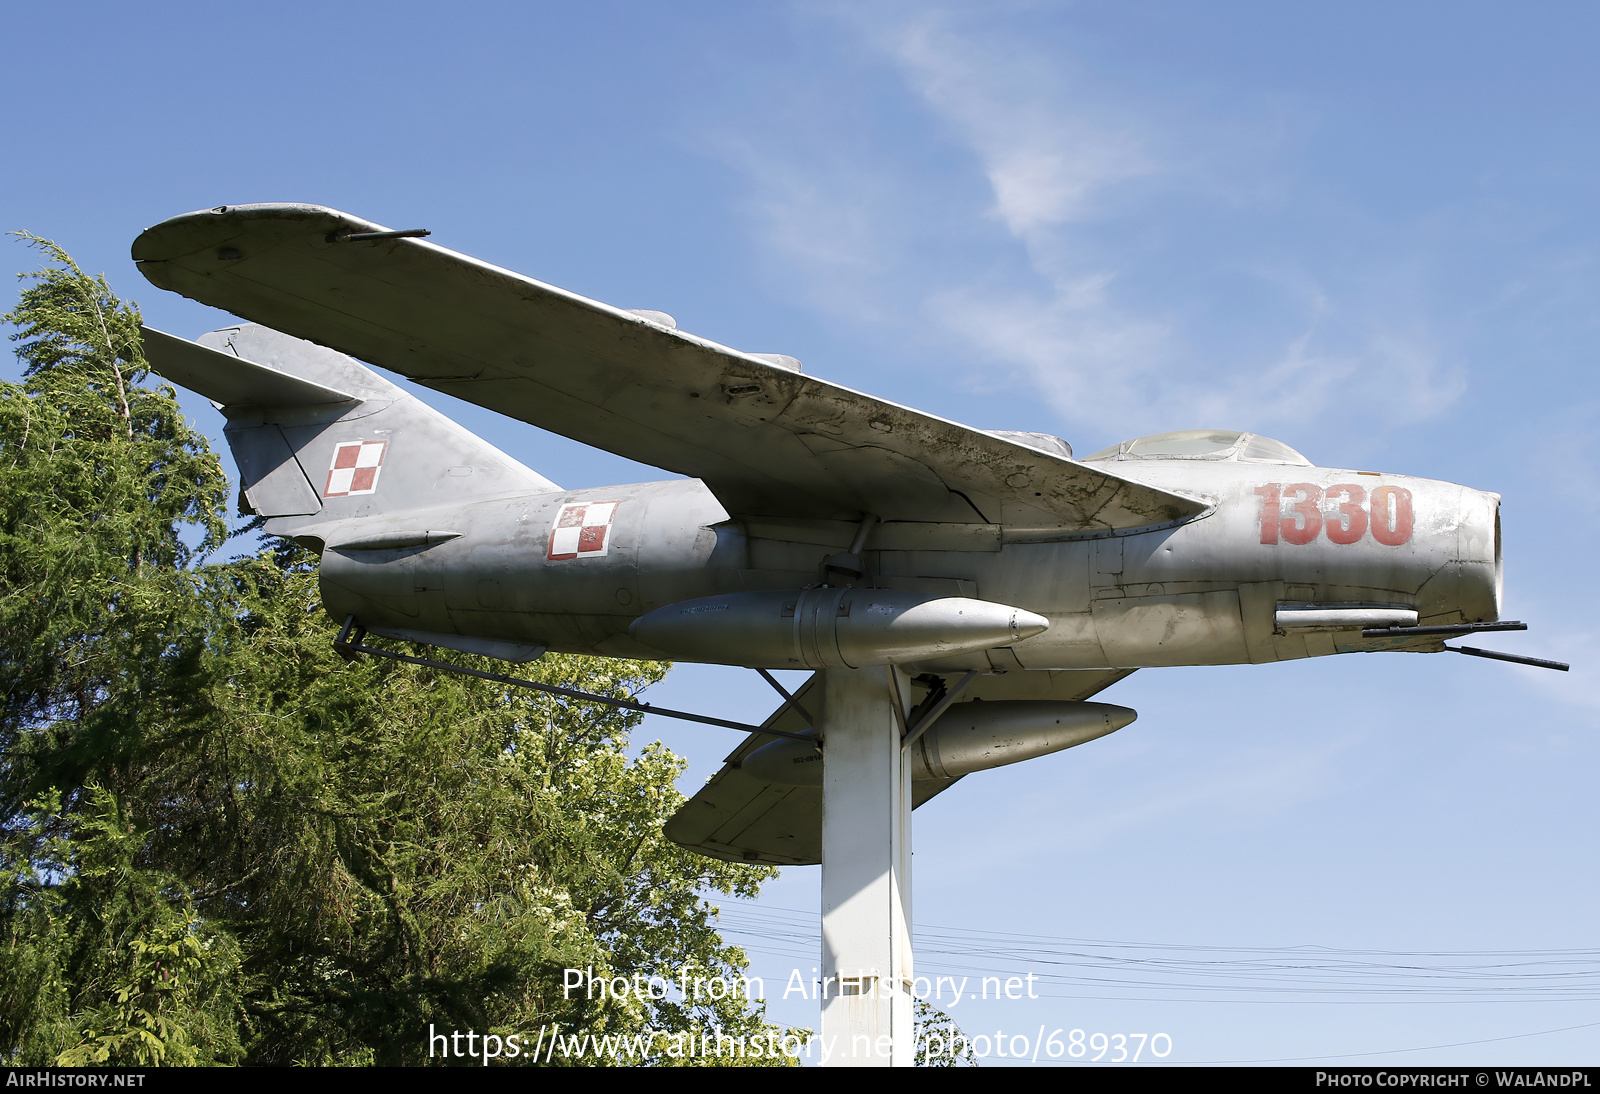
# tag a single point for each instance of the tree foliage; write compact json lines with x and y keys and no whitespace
{"x":221,"y":842}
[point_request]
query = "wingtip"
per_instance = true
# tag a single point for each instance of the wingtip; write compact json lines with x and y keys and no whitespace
{"x":222,"y":225}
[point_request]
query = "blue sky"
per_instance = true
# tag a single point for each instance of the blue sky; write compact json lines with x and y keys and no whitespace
{"x":1365,"y":229}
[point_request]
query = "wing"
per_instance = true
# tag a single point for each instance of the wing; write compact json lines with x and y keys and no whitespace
{"x":744,"y":819}
{"x":767,"y":440}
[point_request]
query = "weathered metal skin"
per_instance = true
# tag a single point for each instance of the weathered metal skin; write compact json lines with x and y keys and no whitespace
{"x":427,"y":529}
{"x":831,"y":627}
{"x":769,"y":440}
{"x":1206,"y":591}
{"x":1016,"y":581}
{"x":978,"y":736}
{"x":495,"y":578}
{"x":1203,"y":592}
{"x":970,"y":737}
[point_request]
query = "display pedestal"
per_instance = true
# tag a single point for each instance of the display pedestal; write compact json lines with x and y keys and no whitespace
{"x":867,"y":1017}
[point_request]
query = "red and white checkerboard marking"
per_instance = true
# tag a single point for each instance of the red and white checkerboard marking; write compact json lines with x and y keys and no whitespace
{"x":355,"y":468}
{"x":583,"y":530}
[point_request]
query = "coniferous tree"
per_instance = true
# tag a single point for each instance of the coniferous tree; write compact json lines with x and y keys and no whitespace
{"x":101,"y":648}
{"x":221,"y":842}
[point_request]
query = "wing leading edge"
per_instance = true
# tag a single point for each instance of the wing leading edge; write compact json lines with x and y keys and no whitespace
{"x":767,"y":440}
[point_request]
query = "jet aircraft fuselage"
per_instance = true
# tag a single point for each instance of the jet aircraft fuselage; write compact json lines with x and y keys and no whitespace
{"x":815,"y":527}
{"x":1242,"y":583}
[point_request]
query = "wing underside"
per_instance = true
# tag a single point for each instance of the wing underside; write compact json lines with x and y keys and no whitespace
{"x":744,"y":819}
{"x":766,"y":439}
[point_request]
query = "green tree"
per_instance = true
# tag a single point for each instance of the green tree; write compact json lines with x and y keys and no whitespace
{"x":120,"y":968}
{"x":940,"y":1042}
{"x":99,"y":477}
{"x":224,"y":843}
{"x":414,"y":847}
{"x":100,"y":646}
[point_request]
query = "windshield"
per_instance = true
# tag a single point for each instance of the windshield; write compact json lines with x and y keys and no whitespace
{"x":1203,"y":444}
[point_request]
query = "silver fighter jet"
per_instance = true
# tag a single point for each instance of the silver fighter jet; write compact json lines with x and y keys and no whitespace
{"x":815,"y":527}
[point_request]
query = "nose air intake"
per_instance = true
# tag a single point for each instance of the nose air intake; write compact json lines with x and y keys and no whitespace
{"x":1481,"y":569}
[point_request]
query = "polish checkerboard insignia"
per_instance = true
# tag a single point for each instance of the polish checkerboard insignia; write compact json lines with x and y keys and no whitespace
{"x":583,"y":530}
{"x":355,"y":468}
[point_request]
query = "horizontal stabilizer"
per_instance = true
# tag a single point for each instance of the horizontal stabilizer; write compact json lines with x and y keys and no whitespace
{"x":229,"y":380}
{"x":321,"y":440}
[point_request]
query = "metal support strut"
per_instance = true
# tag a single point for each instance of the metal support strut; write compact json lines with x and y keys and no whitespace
{"x":349,"y":646}
{"x":866,"y":975}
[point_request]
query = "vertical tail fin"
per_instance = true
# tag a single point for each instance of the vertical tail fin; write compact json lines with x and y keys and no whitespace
{"x":319,"y":437}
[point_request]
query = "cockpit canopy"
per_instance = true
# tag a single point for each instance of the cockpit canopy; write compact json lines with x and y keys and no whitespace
{"x":1204,"y":444}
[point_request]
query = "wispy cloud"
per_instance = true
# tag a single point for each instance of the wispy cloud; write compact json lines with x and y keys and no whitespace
{"x":825,"y":216}
{"x":1084,"y":191}
{"x":1046,"y":165}
{"x":1220,"y":791}
{"x":1056,"y":159}
{"x":1249,"y":792}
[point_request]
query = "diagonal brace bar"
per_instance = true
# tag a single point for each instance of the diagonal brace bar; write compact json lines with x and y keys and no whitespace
{"x":788,"y":700}
{"x":349,"y":644}
{"x":925,"y":723}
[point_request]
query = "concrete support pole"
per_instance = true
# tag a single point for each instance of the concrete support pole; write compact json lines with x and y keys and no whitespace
{"x":866,"y":873}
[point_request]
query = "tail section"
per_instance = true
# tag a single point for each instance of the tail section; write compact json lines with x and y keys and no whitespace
{"x":321,"y":439}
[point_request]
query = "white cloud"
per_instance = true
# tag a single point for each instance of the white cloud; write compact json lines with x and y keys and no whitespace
{"x":1247,"y":792}
{"x":1046,"y":165}
{"x":1054,"y":162}
{"x":1089,"y":202}
{"x":824,"y":220}
{"x":1088,"y":359}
